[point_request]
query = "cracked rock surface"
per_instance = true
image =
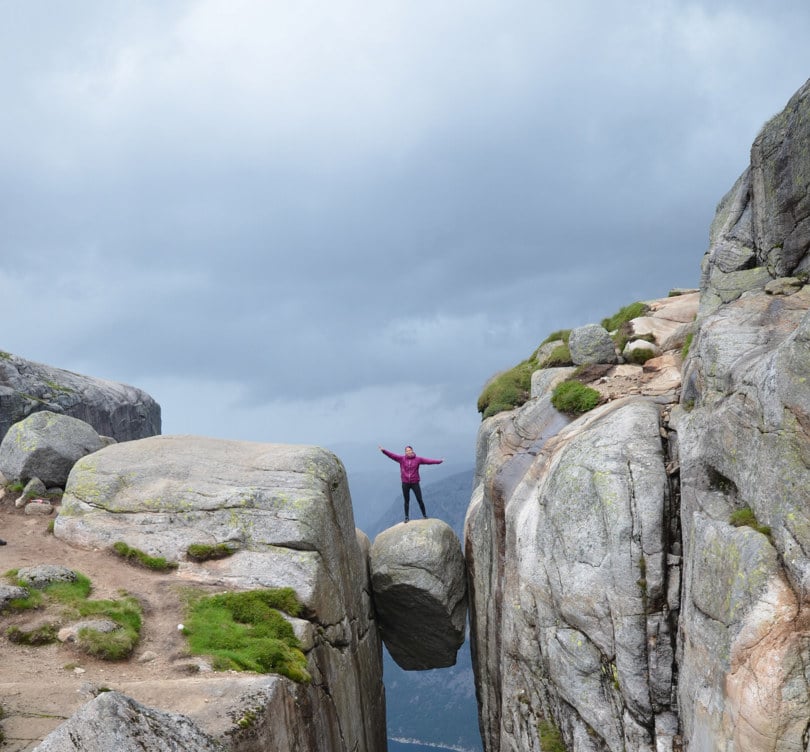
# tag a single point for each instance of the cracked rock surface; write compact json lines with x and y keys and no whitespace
{"x":420,"y":593}
{"x":286,"y":513}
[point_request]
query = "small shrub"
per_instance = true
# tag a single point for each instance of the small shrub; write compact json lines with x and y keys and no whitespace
{"x":640,"y":355}
{"x":16,"y":486}
{"x":246,"y":632}
{"x":206,"y":551}
{"x":624,"y":315}
{"x":136,"y":556}
{"x":574,"y":398}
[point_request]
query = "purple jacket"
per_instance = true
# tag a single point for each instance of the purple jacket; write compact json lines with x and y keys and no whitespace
{"x":409,"y":466}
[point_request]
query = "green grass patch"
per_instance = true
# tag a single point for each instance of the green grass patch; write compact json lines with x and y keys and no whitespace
{"x":550,"y":737}
{"x":72,"y":602}
{"x":559,"y":356}
{"x":574,"y":398}
{"x":58,"y":387}
{"x":507,"y":390}
{"x":245,"y":631}
{"x":745,"y":517}
{"x":16,"y":486}
{"x":640,"y":355}
{"x":206,"y":551}
{"x":136,"y":556}
{"x":42,"y":635}
{"x":560,"y":334}
{"x":687,"y":344}
{"x":624,"y":315}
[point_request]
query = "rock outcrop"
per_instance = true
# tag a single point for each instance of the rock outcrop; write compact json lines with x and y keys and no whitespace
{"x":114,"y":721}
{"x":46,"y":445}
{"x":111,"y":408}
{"x":640,"y":575}
{"x":744,"y":450}
{"x":573,"y":600}
{"x":591,"y":344}
{"x":420,"y":593}
{"x":286,"y":512}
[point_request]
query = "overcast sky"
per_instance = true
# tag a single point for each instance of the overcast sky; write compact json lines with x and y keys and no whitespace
{"x":330,"y":222}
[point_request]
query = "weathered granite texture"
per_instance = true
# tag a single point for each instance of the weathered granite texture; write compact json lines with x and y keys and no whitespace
{"x":287,"y":512}
{"x":762,"y":227}
{"x":571,"y":616}
{"x":420,"y":593}
{"x":640,"y":578}
{"x":111,"y":408}
{"x":113,"y":721}
{"x":591,"y":344}
{"x":46,"y":445}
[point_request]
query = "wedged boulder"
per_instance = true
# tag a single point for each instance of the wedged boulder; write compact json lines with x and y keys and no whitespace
{"x":46,"y":445}
{"x":114,"y":721}
{"x":286,"y":511}
{"x":117,"y":410}
{"x":591,"y":344}
{"x":420,"y":593}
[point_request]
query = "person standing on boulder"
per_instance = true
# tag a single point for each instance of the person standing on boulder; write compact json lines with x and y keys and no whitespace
{"x":409,"y":474}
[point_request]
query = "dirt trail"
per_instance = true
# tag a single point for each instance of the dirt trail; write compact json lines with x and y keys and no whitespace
{"x":41,"y":686}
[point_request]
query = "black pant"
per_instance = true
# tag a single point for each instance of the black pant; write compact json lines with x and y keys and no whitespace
{"x":406,"y":494}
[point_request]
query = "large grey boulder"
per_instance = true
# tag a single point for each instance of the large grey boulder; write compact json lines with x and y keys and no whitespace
{"x":591,"y":344}
{"x":420,"y":593}
{"x":46,"y":445}
{"x":287,"y":512}
{"x":117,"y":410}
{"x":112,"y":721}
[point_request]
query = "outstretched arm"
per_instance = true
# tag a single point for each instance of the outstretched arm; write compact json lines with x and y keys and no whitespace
{"x":428,"y":461}
{"x":395,"y":457}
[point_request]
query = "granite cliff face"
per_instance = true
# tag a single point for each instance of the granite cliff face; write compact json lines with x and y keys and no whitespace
{"x":639,"y":575}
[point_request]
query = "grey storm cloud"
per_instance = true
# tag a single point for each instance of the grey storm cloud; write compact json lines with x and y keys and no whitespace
{"x":318,"y":204}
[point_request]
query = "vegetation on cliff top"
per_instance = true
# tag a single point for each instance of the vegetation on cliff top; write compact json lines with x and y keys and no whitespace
{"x":512,"y":388}
{"x":246,"y":631}
{"x":70,"y":601}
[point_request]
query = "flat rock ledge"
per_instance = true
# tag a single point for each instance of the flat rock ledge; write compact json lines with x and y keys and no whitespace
{"x":420,"y":593}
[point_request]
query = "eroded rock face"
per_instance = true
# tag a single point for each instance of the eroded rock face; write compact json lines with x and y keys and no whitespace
{"x":596,"y":583}
{"x":572,"y":621}
{"x":114,"y":721}
{"x":762,"y":227}
{"x":745,"y":445}
{"x":46,"y":445}
{"x":286,"y":510}
{"x":744,"y":438}
{"x":420,"y":593}
{"x":111,"y":408}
